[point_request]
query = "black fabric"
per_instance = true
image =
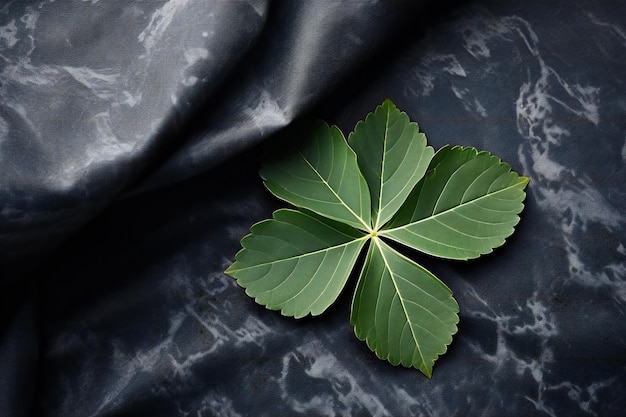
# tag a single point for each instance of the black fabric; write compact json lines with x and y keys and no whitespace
{"x":129,"y":137}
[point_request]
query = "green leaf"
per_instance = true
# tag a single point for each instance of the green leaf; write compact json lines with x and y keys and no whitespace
{"x":466,"y":206}
{"x":297,"y":262}
{"x":404,"y":313}
{"x":458,"y":204}
{"x":391,"y":166}
{"x":321,"y":175}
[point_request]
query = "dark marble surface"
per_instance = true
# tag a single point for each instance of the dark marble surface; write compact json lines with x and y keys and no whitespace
{"x":129,"y":133}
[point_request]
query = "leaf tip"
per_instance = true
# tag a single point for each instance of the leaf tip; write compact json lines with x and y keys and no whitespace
{"x":229,"y":270}
{"x":388,"y":103}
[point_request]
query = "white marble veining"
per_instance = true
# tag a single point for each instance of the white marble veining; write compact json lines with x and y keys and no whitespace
{"x":160,"y":20}
{"x":347,"y":395}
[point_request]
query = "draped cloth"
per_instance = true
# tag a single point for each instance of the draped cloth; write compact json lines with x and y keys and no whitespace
{"x":129,"y":142}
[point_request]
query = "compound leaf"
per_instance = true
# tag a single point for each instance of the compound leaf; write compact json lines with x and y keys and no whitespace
{"x":466,"y":206}
{"x":297,"y":262}
{"x":321,"y":175}
{"x":384,"y":183}
{"x":404,"y":313}
{"x":393,"y":157}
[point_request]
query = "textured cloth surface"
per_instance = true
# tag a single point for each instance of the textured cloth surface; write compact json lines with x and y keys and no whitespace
{"x":129,"y":142}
